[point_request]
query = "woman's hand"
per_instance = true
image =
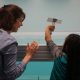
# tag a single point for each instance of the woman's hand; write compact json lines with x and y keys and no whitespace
{"x":30,"y":50}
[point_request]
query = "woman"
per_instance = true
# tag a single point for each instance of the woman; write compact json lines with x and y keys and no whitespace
{"x":66,"y":61}
{"x":11,"y":18}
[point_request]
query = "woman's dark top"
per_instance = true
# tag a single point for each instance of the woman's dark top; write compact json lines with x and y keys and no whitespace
{"x":9,"y":70}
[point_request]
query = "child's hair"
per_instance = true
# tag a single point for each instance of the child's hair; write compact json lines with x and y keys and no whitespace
{"x":72,"y":49}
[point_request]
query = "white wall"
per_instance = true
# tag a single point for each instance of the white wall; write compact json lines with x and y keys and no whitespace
{"x":37,"y":12}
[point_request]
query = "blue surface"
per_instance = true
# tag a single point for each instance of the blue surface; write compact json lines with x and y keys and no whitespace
{"x":37,"y":71}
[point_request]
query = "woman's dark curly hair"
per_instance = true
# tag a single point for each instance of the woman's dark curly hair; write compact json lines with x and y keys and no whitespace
{"x":8,"y":16}
{"x":72,"y":49}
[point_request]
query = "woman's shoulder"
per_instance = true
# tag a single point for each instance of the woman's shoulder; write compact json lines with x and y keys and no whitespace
{"x":6,"y":39}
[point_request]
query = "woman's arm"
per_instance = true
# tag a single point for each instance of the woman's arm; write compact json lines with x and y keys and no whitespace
{"x":13,"y":70}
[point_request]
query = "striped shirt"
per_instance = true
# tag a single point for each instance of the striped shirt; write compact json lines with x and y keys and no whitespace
{"x":9,"y":70}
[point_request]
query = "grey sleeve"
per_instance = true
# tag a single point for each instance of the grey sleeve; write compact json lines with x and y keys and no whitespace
{"x":11,"y":69}
{"x":54,"y":49}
